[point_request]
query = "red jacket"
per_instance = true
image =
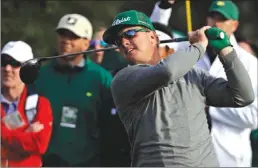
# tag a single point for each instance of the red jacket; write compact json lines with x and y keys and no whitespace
{"x":20,"y":148}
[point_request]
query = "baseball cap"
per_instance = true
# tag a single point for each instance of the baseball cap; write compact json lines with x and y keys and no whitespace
{"x":227,"y":8}
{"x":126,"y":19}
{"x":77,"y":24}
{"x":163,"y":32}
{"x":162,"y":36}
{"x":18,"y":50}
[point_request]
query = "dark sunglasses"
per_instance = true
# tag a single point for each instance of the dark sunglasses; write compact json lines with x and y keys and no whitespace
{"x":10,"y":61}
{"x":93,"y":43}
{"x":128,"y":35}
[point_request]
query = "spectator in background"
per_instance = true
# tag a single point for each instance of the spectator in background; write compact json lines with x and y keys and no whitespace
{"x":111,"y":60}
{"x":79,"y":91}
{"x":98,"y":43}
{"x":161,"y":13}
{"x":247,"y":45}
{"x":163,"y":33}
{"x":26,"y":116}
{"x":230,"y":127}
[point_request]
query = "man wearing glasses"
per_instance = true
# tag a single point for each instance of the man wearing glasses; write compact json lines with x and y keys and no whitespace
{"x":112,"y":60}
{"x":161,"y":102}
{"x":98,"y":43}
{"x":26,"y":123}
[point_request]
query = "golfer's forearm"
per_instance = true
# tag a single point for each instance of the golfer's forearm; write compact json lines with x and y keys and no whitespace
{"x":179,"y":63}
{"x":239,"y":82}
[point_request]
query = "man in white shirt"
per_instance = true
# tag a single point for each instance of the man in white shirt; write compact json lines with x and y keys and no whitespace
{"x":231,"y":127}
{"x":164,"y":7}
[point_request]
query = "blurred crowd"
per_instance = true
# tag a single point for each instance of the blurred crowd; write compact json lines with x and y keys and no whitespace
{"x":67,"y":118}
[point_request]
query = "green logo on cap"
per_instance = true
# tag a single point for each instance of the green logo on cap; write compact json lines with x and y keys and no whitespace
{"x":118,"y":21}
{"x":220,"y":3}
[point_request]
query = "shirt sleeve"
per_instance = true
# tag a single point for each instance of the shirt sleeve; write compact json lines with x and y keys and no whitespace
{"x":29,"y":141}
{"x":245,"y":117}
{"x":136,"y":82}
{"x":236,"y":92}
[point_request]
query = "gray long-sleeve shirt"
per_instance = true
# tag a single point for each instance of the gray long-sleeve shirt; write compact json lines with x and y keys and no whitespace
{"x":162,"y":107}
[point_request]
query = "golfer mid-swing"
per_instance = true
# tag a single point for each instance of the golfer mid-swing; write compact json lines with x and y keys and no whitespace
{"x":161,"y":102}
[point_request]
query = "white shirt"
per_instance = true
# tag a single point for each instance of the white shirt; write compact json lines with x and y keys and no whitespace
{"x":231,"y":127}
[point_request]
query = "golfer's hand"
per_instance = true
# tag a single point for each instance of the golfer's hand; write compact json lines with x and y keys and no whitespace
{"x":171,"y":1}
{"x":199,"y":37}
{"x":219,"y":40}
{"x":35,"y":127}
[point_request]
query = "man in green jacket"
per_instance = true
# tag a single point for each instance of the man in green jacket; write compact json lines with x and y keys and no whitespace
{"x":79,"y":91}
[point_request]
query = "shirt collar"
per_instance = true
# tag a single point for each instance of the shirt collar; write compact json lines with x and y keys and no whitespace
{"x":82,"y":63}
{"x":4,"y":100}
{"x":233,"y":40}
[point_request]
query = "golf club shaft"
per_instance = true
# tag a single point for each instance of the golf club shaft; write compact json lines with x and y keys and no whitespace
{"x":78,"y":53}
{"x":181,"y":39}
{"x":106,"y":49}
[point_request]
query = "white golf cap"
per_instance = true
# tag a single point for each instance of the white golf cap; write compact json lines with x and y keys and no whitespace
{"x":163,"y":36}
{"x":18,"y":50}
{"x":77,"y":24}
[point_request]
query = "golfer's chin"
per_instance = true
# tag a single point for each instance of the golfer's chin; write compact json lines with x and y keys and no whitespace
{"x":136,"y":59}
{"x":132,"y":56}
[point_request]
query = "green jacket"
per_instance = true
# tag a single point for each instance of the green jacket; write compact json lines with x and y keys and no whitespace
{"x":78,"y":98}
{"x":113,"y":61}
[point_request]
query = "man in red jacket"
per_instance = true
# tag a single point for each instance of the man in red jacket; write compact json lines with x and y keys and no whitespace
{"x":26,"y":117}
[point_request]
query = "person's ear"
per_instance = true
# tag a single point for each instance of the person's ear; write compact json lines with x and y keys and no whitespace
{"x":154,"y":38}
